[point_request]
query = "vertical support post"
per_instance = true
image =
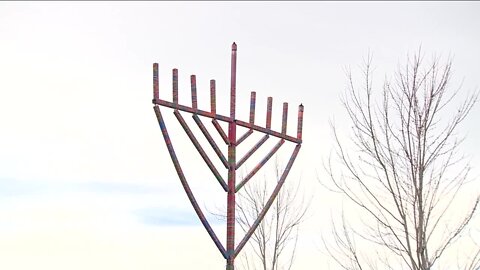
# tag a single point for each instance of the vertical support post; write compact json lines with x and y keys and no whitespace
{"x":213,"y":103}
{"x":232,"y":138}
{"x":175,"y":85}
{"x":193,"y":83}
{"x":284,"y":118}
{"x":252,"y":107}
{"x":155,"y":81}
{"x":300,"y":122}
{"x":269,"y":113}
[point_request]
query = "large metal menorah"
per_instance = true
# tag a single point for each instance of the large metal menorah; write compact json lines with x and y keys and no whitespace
{"x":231,"y":164}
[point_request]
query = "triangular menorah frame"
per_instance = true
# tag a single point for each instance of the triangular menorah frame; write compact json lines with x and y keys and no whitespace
{"x":230,"y":139}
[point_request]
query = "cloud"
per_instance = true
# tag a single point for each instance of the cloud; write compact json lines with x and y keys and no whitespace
{"x":11,"y":188}
{"x":39,"y":202}
{"x":159,"y":216}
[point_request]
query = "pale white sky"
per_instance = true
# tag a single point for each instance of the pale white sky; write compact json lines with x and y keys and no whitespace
{"x":85,"y":179}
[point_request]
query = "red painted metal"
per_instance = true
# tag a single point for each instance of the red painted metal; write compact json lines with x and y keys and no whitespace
{"x":175,"y":86}
{"x":267,"y":131}
{"x":220,"y":130}
{"x":251,"y":151}
{"x":213,"y":103}
{"x":210,"y":140}
{"x":269,"y":113}
{"x":300,"y":122}
{"x":260,"y":164}
{"x":155,"y":81}
{"x":232,"y":139}
{"x":193,"y":82}
{"x":226,"y":119}
{"x":284,"y":118}
{"x":244,"y":137}
{"x":200,"y":150}
{"x":229,"y":252}
{"x":252,"y":107}
{"x":269,"y":202}
{"x":184,"y":182}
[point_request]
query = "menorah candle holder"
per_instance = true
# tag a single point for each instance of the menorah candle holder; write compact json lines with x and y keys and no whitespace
{"x":230,"y":139}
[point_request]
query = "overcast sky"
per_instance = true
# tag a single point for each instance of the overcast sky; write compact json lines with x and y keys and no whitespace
{"x":85,"y":178}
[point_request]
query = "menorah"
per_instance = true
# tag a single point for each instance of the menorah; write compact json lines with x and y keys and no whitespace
{"x":231,"y":164}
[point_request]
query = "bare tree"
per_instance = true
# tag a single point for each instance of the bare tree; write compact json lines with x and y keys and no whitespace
{"x":273,"y":245}
{"x":402,"y":170}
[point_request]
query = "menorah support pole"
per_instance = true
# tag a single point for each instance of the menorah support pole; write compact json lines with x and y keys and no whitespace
{"x":232,"y":139}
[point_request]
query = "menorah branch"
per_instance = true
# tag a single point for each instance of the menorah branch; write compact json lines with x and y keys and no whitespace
{"x":261,"y":215}
{"x":200,"y":150}
{"x":268,"y":131}
{"x":210,"y":140}
{"x":251,"y":151}
{"x":220,"y":131}
{"x":219,"y":117}
{"x":259,"y":165}
{"x":185,"y":185}
{"x":243,"y":137}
